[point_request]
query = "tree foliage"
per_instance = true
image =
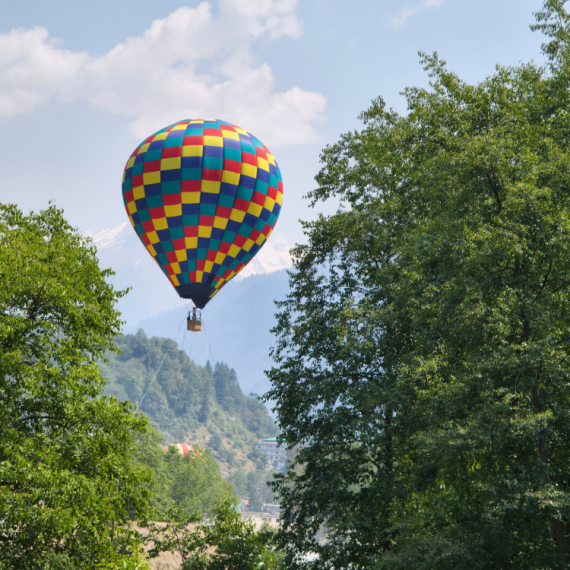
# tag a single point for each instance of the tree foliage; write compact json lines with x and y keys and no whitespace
{"x":191,"y":483}
{"x":67,"y":487}
{"x":422,"y":360}
{"x":254,"y":486}
{"x":229,"y":542}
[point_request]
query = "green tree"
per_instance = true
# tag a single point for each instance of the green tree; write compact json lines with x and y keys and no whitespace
{"x":195,"y":482}
{"x":255,"y":486}
{"x":229,"y":542}
{"x":68,"y":490}
{"x":422,"y":360}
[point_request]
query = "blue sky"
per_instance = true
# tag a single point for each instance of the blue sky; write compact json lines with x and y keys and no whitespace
{"x":81,"y":83}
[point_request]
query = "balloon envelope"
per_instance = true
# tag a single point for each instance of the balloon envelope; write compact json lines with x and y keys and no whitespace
{"x":203,"y":197}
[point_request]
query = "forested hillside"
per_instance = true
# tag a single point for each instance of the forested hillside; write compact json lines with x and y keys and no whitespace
{"x":187,"y":402}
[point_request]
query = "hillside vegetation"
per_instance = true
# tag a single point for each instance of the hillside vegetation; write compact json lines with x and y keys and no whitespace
{"x":188,"y":403}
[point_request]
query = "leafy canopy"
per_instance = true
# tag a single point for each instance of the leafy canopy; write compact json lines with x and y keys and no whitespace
{"x":67,"y":487}
{"x":422,"y":358}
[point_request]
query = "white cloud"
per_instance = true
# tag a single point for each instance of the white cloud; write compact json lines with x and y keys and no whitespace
{"x":32,"y":69}
{"x":433,"y":3}
{"x":192,"y":64}
{"x":400,"y":18}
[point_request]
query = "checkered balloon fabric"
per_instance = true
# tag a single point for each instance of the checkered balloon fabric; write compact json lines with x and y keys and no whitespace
{"x":203,"y":197}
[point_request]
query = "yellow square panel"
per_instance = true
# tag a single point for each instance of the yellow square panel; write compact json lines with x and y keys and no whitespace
{"x":271,"y":159}
{"x":254,"y":209}
{"x":204,"y":231}
{"x":234,"y":250}
{"x":179,"y":127}
{"x":191,"y":242}
{"x":160,"y":136}
{"x":279,"y":198}
{"x":240,"y":131}
{"x":138,"y":192}
{"x":237,"y":216}
{"x":152,"y":237}
{"x":143,"y":148}
{"x":208,"y":266}
{"x":151,"y":177}
{"x":132,"y":221}
{"x":262,"y":164}
{"x":132,"y":207}
{"x":269,"y":203}
{"x":175,"y":267}
{"x":174,"y":280}
{"x":192,"y":150}
{"x":220,"y":258}
{"x":210,"y":186}
{"x":181,"y":255}
{"x":160,"y":224}
{"x":220,"y":223}
{"x":248,"y":244}
{"x":174,"y":210}
{"x":199,"y":275}
{"x":195,"y":121}
{"x":230,"y":135}
{"x":131,"y":162}
{"x":170,"y":163}
{"x":249,"y":169}
{"x":213,"y":141}
{"x":190,"y":197}
{"x":151,"y":250}
{"x":260,"y":240}
{"x":230,"y":177}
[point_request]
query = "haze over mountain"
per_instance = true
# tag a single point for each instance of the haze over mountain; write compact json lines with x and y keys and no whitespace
{"x":236,"y":323}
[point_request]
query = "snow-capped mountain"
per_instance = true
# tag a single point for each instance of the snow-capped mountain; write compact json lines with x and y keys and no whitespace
{"x":150,"y":292}
{"x":237,"y":322}
{"x":110,"y":237}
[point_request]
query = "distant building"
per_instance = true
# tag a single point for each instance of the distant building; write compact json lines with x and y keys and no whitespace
{"x":276,"y":454}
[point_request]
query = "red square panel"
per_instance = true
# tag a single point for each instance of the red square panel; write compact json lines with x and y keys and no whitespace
{"x":207,"y":221}
{"x":249,"y":158}
{"x":223,"y":212}
{"x":172,"y":152}
{"x":152,"y":166}
{"x":191,"y":185}
{"x":232,"y":165}
{"x":156,"y":213}
{"x":241,"y":205}
{"x":195,"y":140}
{"x":212,"y":175}
{"x":179,"y":244}
{"x":172,"y":199}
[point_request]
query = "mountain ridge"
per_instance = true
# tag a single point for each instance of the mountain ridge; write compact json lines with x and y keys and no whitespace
{"x":189,"y":403}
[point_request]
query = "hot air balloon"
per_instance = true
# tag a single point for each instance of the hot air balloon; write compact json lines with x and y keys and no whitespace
{"x":203,"y":196}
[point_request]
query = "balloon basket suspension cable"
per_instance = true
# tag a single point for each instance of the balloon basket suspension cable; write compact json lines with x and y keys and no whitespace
{"x":194,"y":320}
